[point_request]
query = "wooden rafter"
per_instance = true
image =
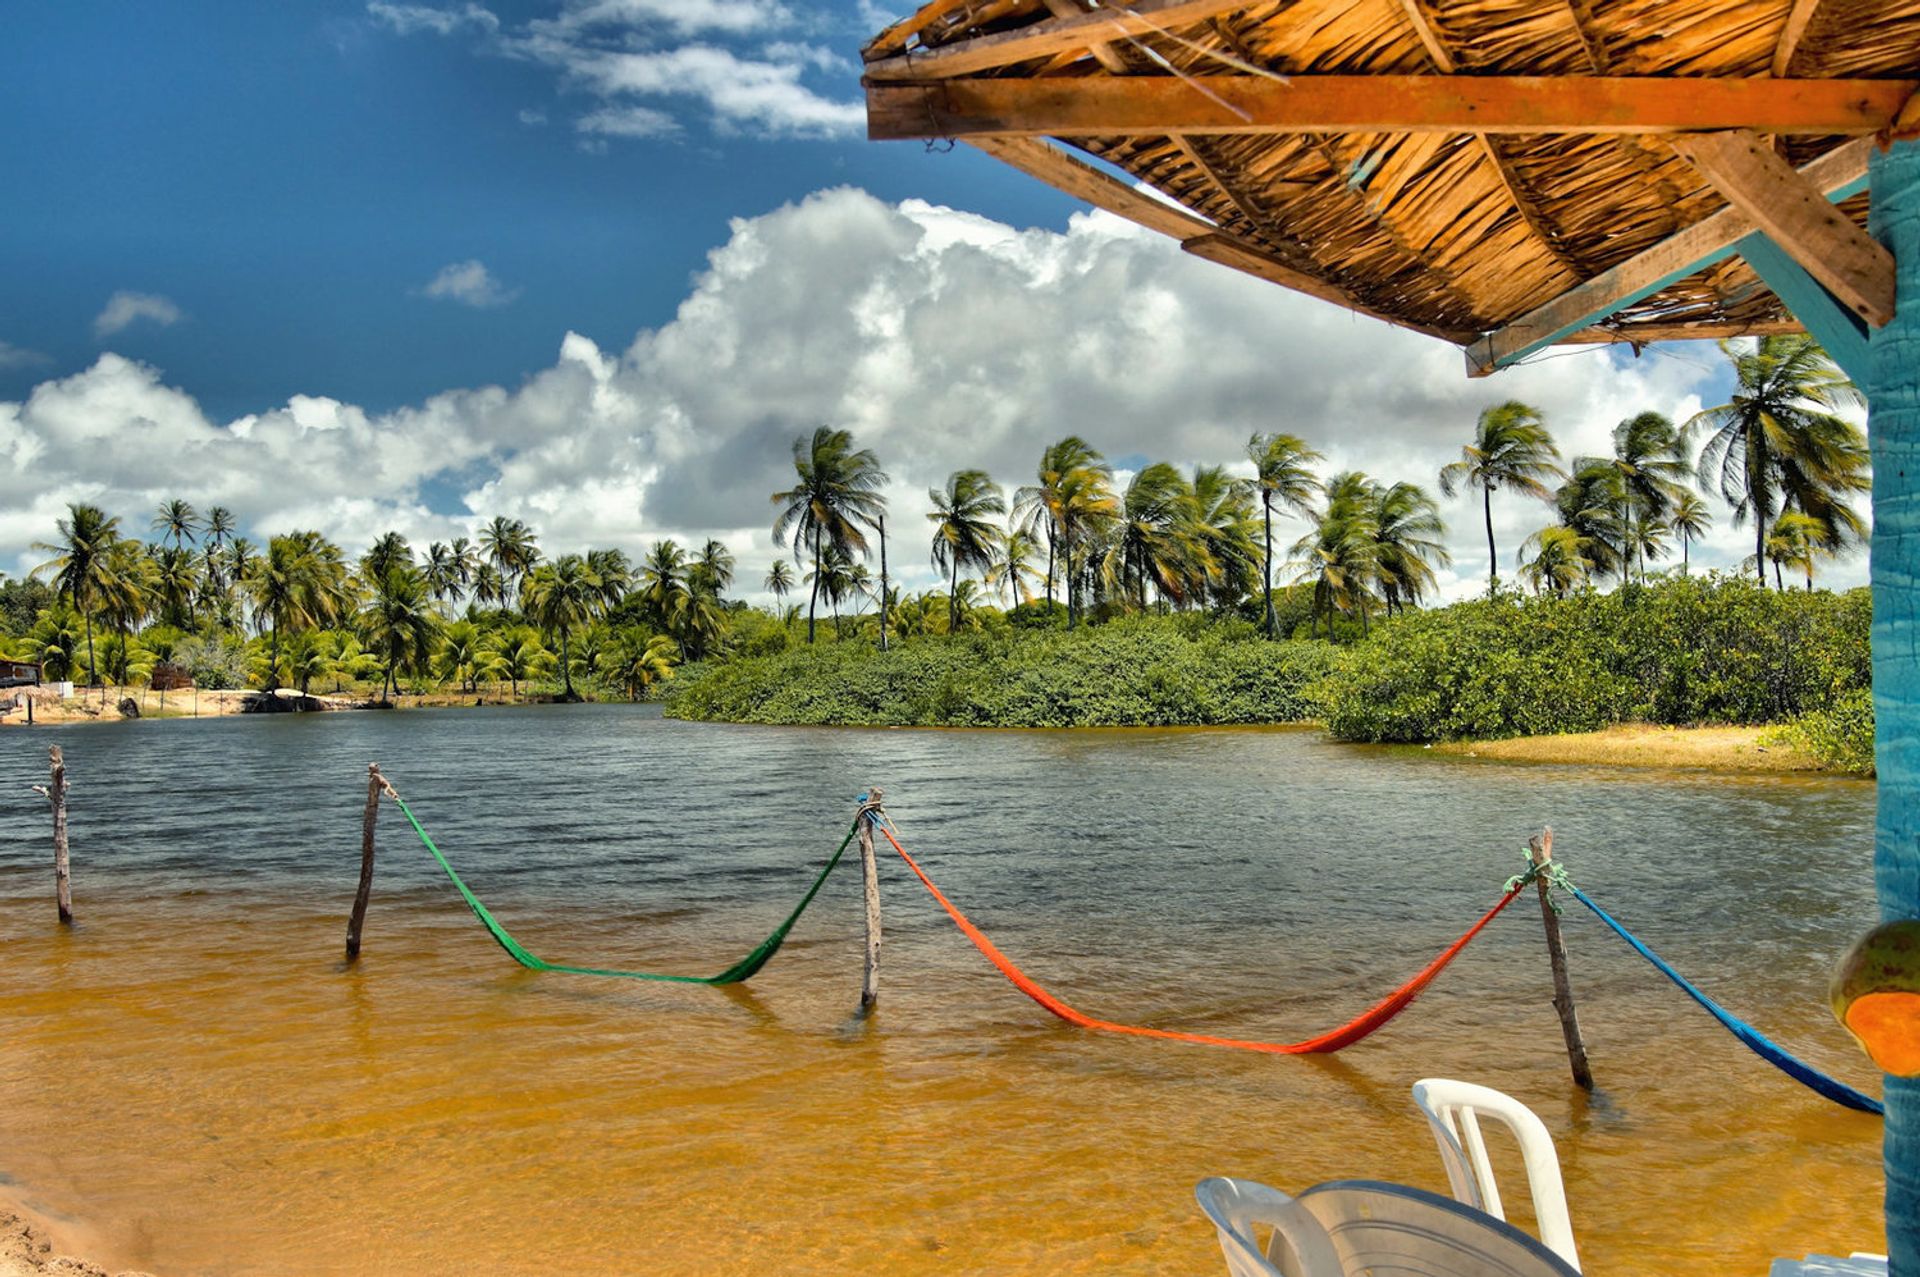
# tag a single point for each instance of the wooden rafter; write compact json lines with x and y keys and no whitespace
{"x":1641,"y":334}
{"x":1580,"y":13}
{"x":1289,"y":252}
{"x":1042,"y":39}
{"x":1796,"y":216}
{"x":1106,"y":106}
{"x":1789,"y":43}
{"x":1429,"y":38}
{"x":1525,"y":205}
{"x":1201,"y":238}
{"x":1104,"y":53}
{"x":1835,"y":174}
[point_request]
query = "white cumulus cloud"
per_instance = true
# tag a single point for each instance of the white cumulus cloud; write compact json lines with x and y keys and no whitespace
{"x":409,"y":18}
{"x":940,"y":338}
{"x":469,"y":283}
{"x":124,"y":308}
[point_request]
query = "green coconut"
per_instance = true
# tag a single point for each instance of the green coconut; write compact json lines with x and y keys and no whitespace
{"x":1875,"y":994}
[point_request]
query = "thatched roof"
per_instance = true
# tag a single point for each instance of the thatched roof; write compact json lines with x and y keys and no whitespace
{"x":1497,"y":173}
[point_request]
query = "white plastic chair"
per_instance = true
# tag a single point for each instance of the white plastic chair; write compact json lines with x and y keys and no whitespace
{"x":1454,"y":1109}
{"x":1299,"y":1246}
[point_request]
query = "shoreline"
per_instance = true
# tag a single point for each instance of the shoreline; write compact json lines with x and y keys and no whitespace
{"x":30,"y":1244}
{"x":1627,"y":746}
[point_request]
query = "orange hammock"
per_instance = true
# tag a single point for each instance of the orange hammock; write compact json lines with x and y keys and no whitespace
{"x":1333,"y":1040}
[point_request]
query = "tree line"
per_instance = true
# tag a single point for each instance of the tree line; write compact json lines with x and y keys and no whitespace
{"x":1074,"y":544}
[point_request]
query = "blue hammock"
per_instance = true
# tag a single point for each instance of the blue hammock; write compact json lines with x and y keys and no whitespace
{"x":1757,"y":1042}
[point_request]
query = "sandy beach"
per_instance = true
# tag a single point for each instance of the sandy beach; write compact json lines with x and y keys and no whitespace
{"x":28,"y":1250}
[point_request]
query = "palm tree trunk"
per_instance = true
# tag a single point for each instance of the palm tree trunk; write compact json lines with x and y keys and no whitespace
{"x":1049,"y":567}
{"x":1273,"y":622}
{"x":566,"y":668}
{"x":813,"y":599}
{"x":1760,"y":546}
{"x":273,"y":658}
{"x":1493,"y":560}
{"x":882,"y":524}
{"x":93,"y":671}
{"x":953,"y":598}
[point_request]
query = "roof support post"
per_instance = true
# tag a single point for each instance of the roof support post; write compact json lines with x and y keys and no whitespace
{"x":1834,"y":326}
{"x":1893,"y":429}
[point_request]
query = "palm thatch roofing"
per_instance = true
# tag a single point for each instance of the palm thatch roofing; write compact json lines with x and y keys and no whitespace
{"x":1497,"y":173}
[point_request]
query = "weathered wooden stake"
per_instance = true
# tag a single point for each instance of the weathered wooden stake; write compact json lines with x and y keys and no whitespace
{"x":55,"y":792}
{"x":870,"y":876}
{"x":1541,"y":847}
{"x":375,"y":784}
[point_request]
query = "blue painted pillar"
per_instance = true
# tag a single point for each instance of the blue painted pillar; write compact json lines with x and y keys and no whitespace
{"x":1893,"y":426}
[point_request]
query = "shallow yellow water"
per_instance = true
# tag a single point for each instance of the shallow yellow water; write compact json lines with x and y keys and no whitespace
{"x":195,"y":1083}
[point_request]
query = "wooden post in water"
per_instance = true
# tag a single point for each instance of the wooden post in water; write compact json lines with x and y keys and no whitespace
{"x":1541,"y":848}
{"x":55,"y":792}
{"x":870,"y":876}
{"x":375,"y":783}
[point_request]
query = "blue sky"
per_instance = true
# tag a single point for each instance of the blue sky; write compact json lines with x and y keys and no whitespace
{"x":292,"y":176}
{"x":365,"y":265}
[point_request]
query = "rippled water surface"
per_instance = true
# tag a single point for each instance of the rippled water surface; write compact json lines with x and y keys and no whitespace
{"x":195,"y":1082}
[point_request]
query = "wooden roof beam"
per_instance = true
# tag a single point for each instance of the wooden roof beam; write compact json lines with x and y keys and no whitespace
{"x":1040,"y":40}
{"x":1105,"y":54}
{"x":1795,"y":215}
{"x":1837,"y":174}
{"x":1107,"y":106}
{"x":1789,"y":43}
{"x":1083,"y":181}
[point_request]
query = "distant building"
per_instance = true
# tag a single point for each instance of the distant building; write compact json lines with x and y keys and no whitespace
{"x":18,"y":674}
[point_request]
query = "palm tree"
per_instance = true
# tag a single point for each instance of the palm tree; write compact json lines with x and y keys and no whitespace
{"x":489,"y":586}
{"x":559,"y":596}
{"x":178,"y":520}
{"x":1014,"y":565}
{"x":838,"y":490}
{"x":297,"y":584}
{"x":963,"y":535}
{"x":1560,"y":561}
{"x":1794,"y":541}
{"x":80,"y":572}
{"x":1282,"y":472}
{"x":461,"y":655}
{"x":1778,"y":443}
{"x":400,"y":624}
{"x":441,"y":573}
{"x":663,"y":575}
{"x":390,"y":551}
{"x":712,"y":571}
{"x":1690,"y":520}
{"x":615,"y":571}
{"x":886,"y":591}
{"x":1511,"y":449}
{"x":1223,"y":521}
{"x":833,"y":581}
{"x":177,"y":579}
{"x":1593,"y":502}
{"x":1651,"y":460}
{"x":126,"y":596}
{"x":1074,"y":493}
{"x":1156,"y":539}
{"x":636,"y":660}
{"x":509,"y":545}
{"x":1408,"y":541}
{"x":220,"y":526}
{"x":779,"y":581}
{"x":519,"y":655}
{"x":1338,"y":557}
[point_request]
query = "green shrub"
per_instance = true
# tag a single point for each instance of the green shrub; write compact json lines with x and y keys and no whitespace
{"x":1147,"y":672}
{"x":1840,"y":736}
{"x":1683,"y":650}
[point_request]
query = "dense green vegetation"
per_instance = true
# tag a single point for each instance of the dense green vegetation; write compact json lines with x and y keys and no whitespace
{"x":1150,"y":671}
{"x":1679,"y":650}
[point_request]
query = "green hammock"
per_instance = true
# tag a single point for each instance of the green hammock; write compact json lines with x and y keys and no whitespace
{"x":744,"y":969}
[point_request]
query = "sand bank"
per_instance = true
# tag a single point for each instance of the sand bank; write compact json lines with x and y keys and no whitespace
{"x":1729,"y":749}
{"x":27,"y":1251}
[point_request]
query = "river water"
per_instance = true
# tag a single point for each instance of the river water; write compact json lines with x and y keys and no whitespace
{"x":192,"y":1081}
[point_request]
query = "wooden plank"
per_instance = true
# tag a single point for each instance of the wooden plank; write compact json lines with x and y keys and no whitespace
{"x":1837,"y":174}
{"x":1795,"y":215}
{"x":1042,"y":39}
{"x":1646,"y":334}
{"x":1107,"y":106}
{"x":1105,"y":54}
{"x":1423,"y":27}
{"x":1789,"y":43}
{"x":1242,"y":256}
{"x":1083,"y":181}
